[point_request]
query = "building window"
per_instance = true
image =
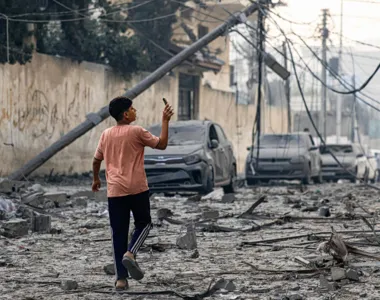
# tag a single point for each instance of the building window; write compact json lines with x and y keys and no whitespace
{"x":202,"y":31}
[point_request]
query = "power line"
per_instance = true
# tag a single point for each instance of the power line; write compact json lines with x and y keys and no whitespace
{"x":356,"y":41}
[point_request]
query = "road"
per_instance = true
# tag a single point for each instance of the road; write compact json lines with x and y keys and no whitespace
{"x":33,"y":267}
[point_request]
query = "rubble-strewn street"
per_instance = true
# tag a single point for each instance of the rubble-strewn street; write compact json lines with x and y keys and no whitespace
{"x":262,"y":251}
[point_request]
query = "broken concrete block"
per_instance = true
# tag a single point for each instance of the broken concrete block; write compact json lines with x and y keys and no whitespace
{"x":295,"y":297}
{"x":212,"y":214}
{"x":338,"y":273}
{"x":324,"y":212}
{"x":188,"y":241}
{"x":59,"y":198}
{"x":15,"y":228}
{"x":195,"y":254}
{"x":37,"y":188}
{"x":109,"y":269}
{"x":325,"y":285}
{"x":163,"y":213}
{"x":80,"y":201}
{"x":88,"y":193}
{"x":9,"y":186}
{"x":228,"y":198}
{"x":41,"y":223}
{"x":68,"y":285}
{"x":352,"y":275}
{"x":34,"y":198}
{"x":195,"y":198}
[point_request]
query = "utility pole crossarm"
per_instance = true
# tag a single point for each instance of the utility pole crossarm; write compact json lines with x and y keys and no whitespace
{"x":132,"y":93}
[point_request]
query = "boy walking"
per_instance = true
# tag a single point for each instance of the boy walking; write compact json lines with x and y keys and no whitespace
{"x":122,"y":149}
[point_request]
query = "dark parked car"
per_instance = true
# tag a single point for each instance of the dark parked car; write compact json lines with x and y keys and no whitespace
{"x":284,"y":156}
{"x":198,"y":158}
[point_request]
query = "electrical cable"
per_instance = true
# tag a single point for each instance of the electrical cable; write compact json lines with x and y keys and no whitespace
{"x":309,"y":113}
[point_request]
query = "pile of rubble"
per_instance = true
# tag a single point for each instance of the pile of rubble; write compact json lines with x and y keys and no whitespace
{"x":276,"y":242}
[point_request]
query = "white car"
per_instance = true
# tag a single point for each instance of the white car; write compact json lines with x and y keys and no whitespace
{"x":350,"y":156}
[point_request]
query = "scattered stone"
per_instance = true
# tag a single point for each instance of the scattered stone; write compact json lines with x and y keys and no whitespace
{"x":189,"y":240}
{"x":352,"y":275}
{"x":9,"y":186}
{"x":59,"y":199}
{"x":228,"y":198}
{"x":211,"y":214}
{"x":15,"y":228}
{"x":295,"y":297}
{"x":68,"y":285}
{"x":338,"y":273}
{"x":56,"y":231}
{"x":309,"y":209}
{"x":195,"y":254}
{"x":314,"y":197}
{"x":195,"y":198}
{"x":80,"y":201}
{"x":324,"y":212}
{"x":109,"y":269}
{"x":363,"y":295}
{"x":164,"y":213}
{"x":230,"y":286}
{"x":88,"y":194}
{"x":100,"y":196}
{"x":37,"y":188}
{"x":41,"y":223}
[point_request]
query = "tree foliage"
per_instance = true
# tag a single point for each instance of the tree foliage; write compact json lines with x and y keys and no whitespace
{"x":92,"y":30}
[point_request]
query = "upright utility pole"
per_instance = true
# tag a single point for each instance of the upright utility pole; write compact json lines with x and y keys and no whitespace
{"x":93,"y":119}
{"x":260,"y":46}
{"x":339,"y":98}
{"x":353,"y":115}
{"x":325,"y":33}
{"x":287,"y":89}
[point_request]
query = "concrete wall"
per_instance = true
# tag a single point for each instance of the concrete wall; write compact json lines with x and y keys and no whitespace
{"x":45,"y":99}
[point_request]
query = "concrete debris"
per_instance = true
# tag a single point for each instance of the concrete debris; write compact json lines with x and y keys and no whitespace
{"x":195,"y":254}
{"x":294,"y":297}
{"x":34,"y":198}
{"x":212,"y":214}
{"x":189,"y":240}
{"x":338,"y":273}
{"x":228,"y":198}
{"x":59,"y":199}
{"x":109,"y":269}
{"x":80,"y":201}
{"x":324,"y":212}
{"x":69,"y":285}
{"x":10,"y":186}
{"x":7,"y":206}
{"x":15,"y":228}
{"x":195,"y":198}
{"x":352,"y":275}
{"x":85,"y":193}
{"x":41,"y":223}
{"x":163,"y":213}
{"x":37,"y":188}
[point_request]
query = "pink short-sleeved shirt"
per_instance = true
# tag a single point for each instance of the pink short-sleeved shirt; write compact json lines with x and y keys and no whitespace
{"x":122,"y":149}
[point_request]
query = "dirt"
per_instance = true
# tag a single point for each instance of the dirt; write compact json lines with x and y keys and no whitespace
{"x":44,"y":266}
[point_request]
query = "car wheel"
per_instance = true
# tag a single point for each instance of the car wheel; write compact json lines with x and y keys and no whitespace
{"x":209,"y":187}
{"x":307,"y":178}
{"x":353,"y":179}
{"x":230,"y":189}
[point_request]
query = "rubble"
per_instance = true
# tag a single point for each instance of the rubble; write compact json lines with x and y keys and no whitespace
{"x":228,"y":198}
{"x":338,"y":273}
{"x":189,"y":240}
{"x":15,"y":228}
{"x":236,"y":241}
{"x":68,"y":285}
{"x":59,"y":199}
{"x":324,"y":212}
{"x":9,"y":186}
{"x":41,"y":223}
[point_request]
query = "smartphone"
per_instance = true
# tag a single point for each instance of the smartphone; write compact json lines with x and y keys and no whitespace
{"x":165,"y":102}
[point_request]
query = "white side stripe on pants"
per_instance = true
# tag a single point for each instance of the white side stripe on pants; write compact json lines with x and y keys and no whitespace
{"x":141,"y":238}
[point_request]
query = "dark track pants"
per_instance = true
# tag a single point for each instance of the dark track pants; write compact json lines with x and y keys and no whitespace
{"x":119,"y":212}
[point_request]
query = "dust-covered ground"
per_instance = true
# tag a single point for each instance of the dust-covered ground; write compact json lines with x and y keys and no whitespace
{"x":79,"y":246}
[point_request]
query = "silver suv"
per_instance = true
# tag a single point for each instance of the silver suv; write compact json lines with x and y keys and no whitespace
{"x":284,"y":156}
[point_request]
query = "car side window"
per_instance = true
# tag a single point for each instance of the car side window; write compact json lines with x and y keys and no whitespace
{"x":212,"y":134}
{"x":221,"y":135}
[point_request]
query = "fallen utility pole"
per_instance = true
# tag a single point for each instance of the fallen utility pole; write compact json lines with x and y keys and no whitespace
{"x":93,"y":119}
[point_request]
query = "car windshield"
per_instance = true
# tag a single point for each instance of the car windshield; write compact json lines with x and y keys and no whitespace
{"x":182,"y":135}
{"x":336,"y":149}
{"x":281,"y":141}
